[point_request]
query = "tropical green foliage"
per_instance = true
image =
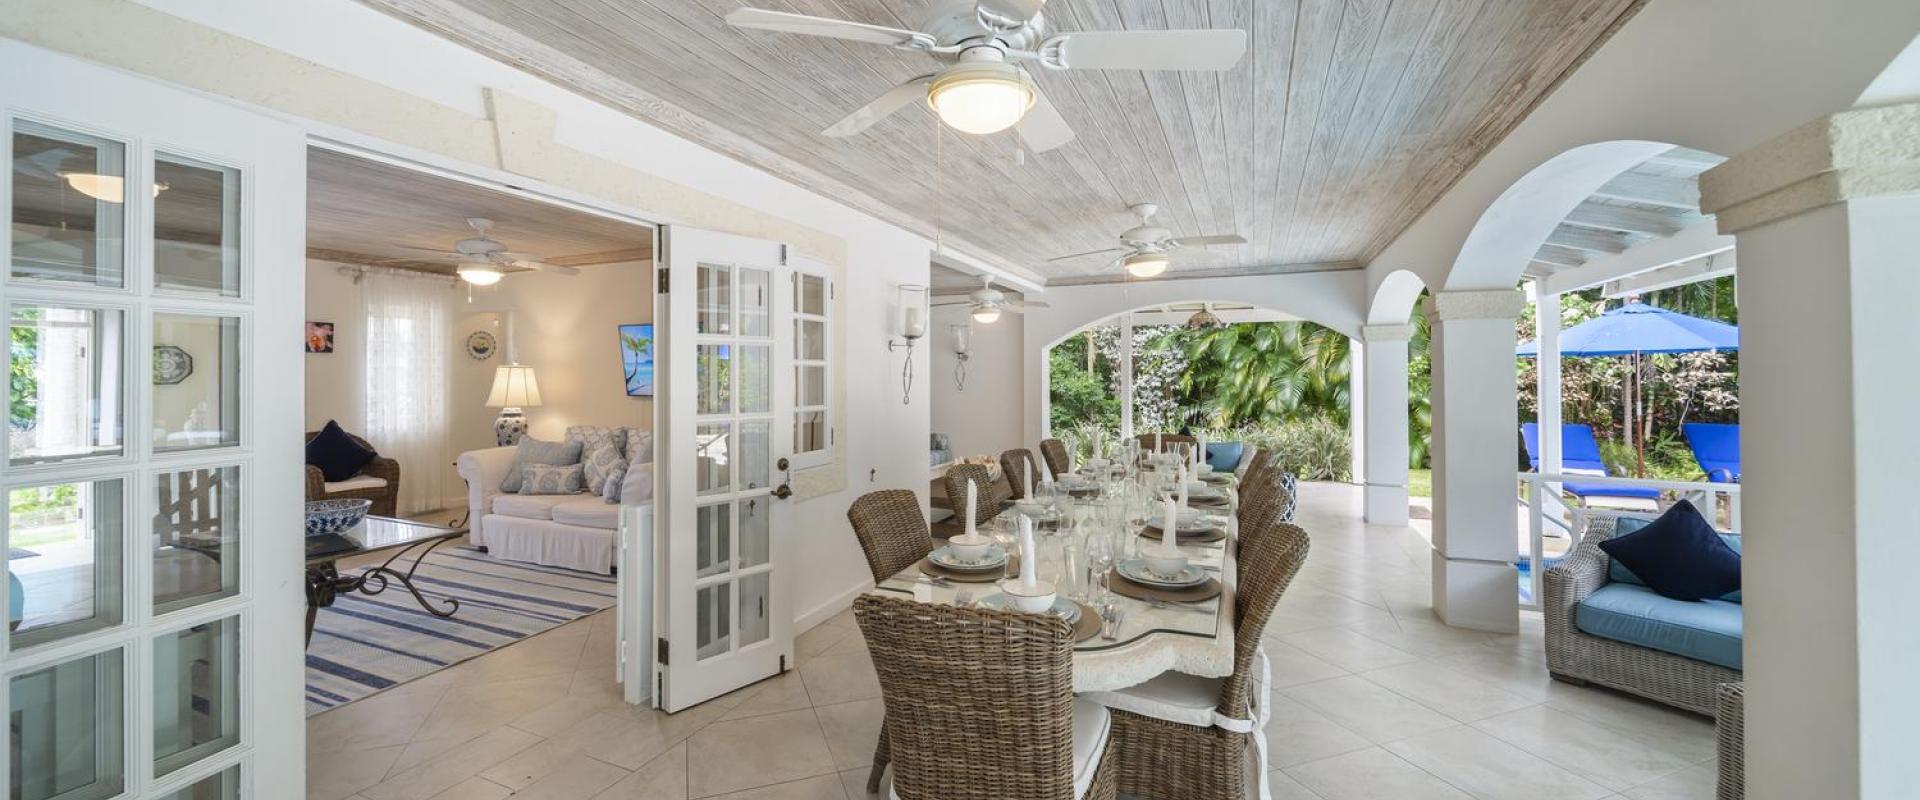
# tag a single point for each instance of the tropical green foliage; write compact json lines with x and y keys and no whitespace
{"x":23,"y":352}
{"x":1265,"y":372}
{"x":1314,"y":448}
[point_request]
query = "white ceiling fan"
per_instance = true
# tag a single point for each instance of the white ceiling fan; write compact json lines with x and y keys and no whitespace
{"x":1149,"y":248}
{"x":483,"y":259}
{"x":986,"y":303}
{"x":984,"y":89}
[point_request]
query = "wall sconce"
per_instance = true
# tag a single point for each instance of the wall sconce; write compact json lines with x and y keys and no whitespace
{"x":962,"y":340}
{"x":912,"y":325}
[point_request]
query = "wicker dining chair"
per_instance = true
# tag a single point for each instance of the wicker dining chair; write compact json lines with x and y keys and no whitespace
{"x":1167,"y":440}
{"x":1179,"y":736}
{"x":1055,"y":452}
{"x":891,"y":531}
{"x":990,"y":500}
{"x":980,"y":705}
{"x":1010,"y":462}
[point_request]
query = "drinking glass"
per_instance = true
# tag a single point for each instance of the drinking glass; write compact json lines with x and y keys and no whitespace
{"x":1099,"y":562}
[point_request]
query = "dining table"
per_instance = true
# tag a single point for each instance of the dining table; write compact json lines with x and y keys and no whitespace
{"x":1151,"y":637}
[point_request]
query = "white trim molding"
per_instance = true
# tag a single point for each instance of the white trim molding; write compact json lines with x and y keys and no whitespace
{"x":1481,"y":304}
{"x":1853,"y":154}
{"x":1386,"y":333}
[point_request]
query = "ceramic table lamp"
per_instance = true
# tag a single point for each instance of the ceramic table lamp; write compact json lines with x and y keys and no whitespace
{"x":514,"y":388}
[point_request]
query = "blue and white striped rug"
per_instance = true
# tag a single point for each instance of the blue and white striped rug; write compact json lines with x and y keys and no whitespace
{"x":362,"y":645}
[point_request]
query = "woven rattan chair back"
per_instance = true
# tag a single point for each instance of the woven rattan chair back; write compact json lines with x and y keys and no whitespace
{"x":891,"y":531}
{"x":1010,"y":463}
{"x":979,"y":704}
{"x":1264,"y":498}
{"x":1270,"y":554}
{"x":986,"y":505}
{"x":1167,"y":440}
{"x":1055,"y":452}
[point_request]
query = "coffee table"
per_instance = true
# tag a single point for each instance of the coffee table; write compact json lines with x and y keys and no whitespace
{"x":375,"y":535}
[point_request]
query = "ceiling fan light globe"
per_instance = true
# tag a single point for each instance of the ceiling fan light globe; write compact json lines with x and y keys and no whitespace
{"x":981,"y":99}
{"x":480,"y":274}
{"x":105,"y":188}
{"x":987,"y":315}
{"x":1145,"y":265}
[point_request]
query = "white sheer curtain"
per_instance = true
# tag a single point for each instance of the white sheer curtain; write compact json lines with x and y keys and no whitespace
{"x":409,"y":322}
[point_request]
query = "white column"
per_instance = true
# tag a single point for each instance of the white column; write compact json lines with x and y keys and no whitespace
{"x":1547,"y":386}
{"x":1126,"y":376}
{"x":1380,"y":400}
{"x":1828,"y":223}
{"x":1476,"y":434}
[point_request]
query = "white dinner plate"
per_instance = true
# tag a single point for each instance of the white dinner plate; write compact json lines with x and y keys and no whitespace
{"x":944,"y":558}
{"x":1062,"y":607}
{"x":1135,"y":569}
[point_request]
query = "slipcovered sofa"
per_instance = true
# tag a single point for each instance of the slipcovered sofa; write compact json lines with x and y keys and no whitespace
{"x":572,"y":531}
{"x":1604,"y":626}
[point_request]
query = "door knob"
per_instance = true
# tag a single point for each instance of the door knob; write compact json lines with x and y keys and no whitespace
{"x":782,"y":491}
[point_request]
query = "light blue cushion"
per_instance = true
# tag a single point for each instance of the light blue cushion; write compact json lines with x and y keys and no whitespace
{"x":1618,"y":572}
{"x":1224,"y":456}
{"x":1704,"y":630}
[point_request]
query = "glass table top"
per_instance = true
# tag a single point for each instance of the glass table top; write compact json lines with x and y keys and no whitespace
{"x":382,"y":533}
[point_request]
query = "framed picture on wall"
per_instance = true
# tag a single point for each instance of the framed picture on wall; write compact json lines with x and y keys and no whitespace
{"x":636,"y":359}
{"x":319,"y":337}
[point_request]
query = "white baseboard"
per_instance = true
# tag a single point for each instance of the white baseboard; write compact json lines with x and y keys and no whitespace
{"x":825,"y":611}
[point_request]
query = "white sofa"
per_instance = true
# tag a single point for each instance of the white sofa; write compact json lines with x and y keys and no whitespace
{"x":574,"y":531}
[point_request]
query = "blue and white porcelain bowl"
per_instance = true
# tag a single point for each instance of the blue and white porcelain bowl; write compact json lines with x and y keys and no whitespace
{"x":335,"y":516}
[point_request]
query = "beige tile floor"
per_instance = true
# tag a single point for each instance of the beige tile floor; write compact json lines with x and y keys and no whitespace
{"x":1373,"y":698}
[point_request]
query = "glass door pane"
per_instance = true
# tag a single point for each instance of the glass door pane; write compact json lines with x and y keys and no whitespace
{"x":64,"y":387}
{"x":218,"y":786}
{"x":196,"y":227}
{"x":196,"y":382}
{"x":69,"y":215}
{"x":68,"y":730}
{"x":63,"y":544}
{"x":196,"y":537}
{"x":196,"y":693}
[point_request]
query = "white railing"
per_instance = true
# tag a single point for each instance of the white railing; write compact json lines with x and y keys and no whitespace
{"x":1573,"y":518}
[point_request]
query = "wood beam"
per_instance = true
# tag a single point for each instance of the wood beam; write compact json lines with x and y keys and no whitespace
{"x":1589,"y":240}
{"x":603,"y":257}
{"x":1680,"y":193}
{"x":1604,"y":217}
{"x":1706,"y":269}
{"x":1695,"y":242}
{"x":1559,"y":256}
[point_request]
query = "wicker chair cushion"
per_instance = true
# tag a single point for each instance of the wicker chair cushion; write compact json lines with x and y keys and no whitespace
{"x":1173,"y":696}
{"x":1704,"y":630}
{"x":1679,"y":555}
{"x":1091,"y":726}
{"x":355,"y":483}
{"x":1618,"y":572}
{"x":336,"y":453}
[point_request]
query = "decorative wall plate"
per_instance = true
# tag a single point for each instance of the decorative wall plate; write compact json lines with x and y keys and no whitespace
{"x":481,"y":345}
{"x":171,"y":365}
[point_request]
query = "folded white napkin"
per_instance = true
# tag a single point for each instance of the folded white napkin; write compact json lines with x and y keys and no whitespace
{"x":973,"y":496}
{"x":1029,"y":564}
{"x":1180,"y":485}
{"x":1169,"y":527}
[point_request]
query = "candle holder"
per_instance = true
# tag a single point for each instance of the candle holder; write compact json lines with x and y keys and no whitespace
{"x":914,"y":313}
{"x":962,"y":343}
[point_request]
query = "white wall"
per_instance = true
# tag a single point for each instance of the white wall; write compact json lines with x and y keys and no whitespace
{"x":985,"y":418}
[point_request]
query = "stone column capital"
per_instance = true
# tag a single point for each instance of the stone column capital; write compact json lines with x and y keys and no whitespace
{"x":1869,"y":152}
{"x":1475,"y":304}
{"x":1386,"y":333}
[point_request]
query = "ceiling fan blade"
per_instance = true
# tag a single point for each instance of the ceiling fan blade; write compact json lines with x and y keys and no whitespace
{"x":545,"y":267}
{"x":1043,"y":128}
{"x":1034,"y":304}
{"x":1215,"y":49}
{"x":1193,"y":254}
{"x":761,"y":19}
{"x":439,"y":250}
{"x":1088,"y":253}
{"x":957,"y":301}
{"x":1198,"y":241}
{"x":893,"y":100}
{"x":1013,"y":13}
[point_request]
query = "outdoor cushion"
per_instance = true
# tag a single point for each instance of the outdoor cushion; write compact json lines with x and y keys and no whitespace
{"x":528,"y":506}
{"x":1618,"y":572}
{"x":1579,"y":455}
{"x":1705,"y":630}
{"x":336,"y":454}
{"x":1679,"y":555}
{"x":587,"y":511}
{"x":1171,"y":696}
{"x":1224,"y":456}
{"x":354,"y":483}
{"x":534,"y":451}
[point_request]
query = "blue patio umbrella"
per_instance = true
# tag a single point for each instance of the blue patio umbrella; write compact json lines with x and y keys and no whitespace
{"x":1637,"y":329}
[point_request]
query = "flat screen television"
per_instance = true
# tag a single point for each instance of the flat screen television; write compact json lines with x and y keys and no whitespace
{"x":636,"y":359}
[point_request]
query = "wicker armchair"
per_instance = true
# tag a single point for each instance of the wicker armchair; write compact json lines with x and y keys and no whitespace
{"x":891,"y":531}
{"x":1010,"y":463}
{"x":991,"y":500}
{"x":1055,"y":452}
{"x":980,"y":706}
{"x":1577,"y":657}
{"x":385,"y":498}
{"x":1163,"y":747}
{"x":1730,"y":729}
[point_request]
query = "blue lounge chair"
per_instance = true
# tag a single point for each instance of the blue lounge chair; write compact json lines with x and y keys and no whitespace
{"x":1717,"y":447}
{"x":1580,"y":454}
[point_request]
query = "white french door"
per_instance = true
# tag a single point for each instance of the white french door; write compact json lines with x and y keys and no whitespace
{"x":726,"y":349}
{"x":155,"y":260}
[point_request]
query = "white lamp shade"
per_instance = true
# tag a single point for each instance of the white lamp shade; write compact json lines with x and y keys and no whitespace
{"x":514,"y":387}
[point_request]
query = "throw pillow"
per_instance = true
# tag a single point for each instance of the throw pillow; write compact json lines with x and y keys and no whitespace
{"x":551,"y":479}
{"x":601,"y":449}
{"x":1679,"y":555}
{"x":639,"y":446}
{"x":611,"y":492}
{"x":1618,"y":572}
{"x":534,"y":451}
{"x":1224,"y":456}
{"x":337,"y":455}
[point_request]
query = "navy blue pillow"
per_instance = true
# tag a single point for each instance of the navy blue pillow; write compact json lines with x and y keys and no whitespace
{"x":337,"y":455}
{"x":1679,"y":555}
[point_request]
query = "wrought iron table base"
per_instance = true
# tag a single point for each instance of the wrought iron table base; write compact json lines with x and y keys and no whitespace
{"x":324,"y":583}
